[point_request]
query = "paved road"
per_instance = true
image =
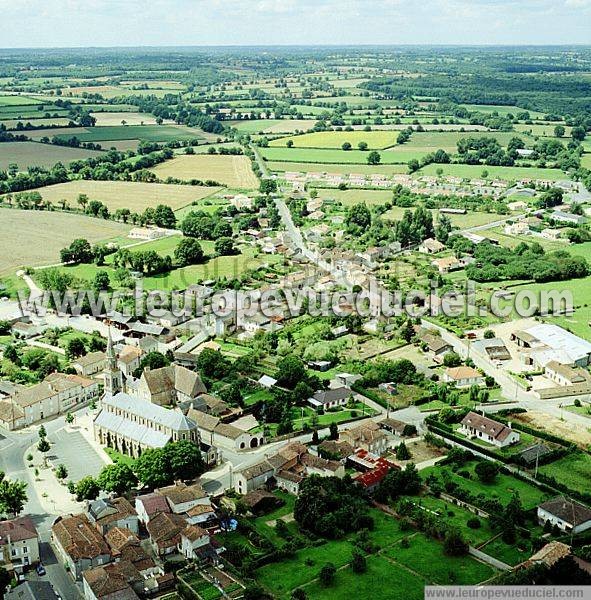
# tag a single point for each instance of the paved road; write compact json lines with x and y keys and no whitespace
{"x":13,"y":447}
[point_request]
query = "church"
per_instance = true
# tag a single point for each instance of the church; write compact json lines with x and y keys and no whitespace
{"x":130,"y":424}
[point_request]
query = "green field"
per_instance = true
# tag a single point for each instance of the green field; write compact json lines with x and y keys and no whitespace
{"x":375,"y":140}
{"x":149,"y":133}
{"x":315,"y":155}
{"x":343,"y":169}
{"x":33,"y":154}
{"x":17,"y":101}
{"x":508,"y":173}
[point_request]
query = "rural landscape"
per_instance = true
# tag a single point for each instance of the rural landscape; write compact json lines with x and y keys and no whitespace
{"x":294,"y":323}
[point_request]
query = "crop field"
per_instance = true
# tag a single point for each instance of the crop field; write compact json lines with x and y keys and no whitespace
{"x":232,"y":171}
{"x":111,"y":119}
{"x":55,"y":121}
{"x":16,"y":100}
{"x":375,"y":140}
{"x":112,"y":91}
{"x":32,"y":238}
{"x":329,"y":157}
{"x":50,"y":132}
{"x":33,"y":154}
{"x":123,"y":194}
{"x":150,"y":133}
{"x":343,"y":169}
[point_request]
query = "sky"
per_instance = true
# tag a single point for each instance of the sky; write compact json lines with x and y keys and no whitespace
{"x":82,"y":23}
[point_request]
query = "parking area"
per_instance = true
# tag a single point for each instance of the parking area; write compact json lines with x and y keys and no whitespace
{"x":71,"y":449}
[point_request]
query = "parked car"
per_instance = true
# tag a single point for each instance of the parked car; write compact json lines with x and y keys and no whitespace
{"x":40,"y":569}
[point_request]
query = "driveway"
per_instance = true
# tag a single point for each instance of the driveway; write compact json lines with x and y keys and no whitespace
{"x":75,"y":452}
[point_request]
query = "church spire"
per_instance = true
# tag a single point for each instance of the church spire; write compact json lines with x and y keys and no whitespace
{"x":112,"y":375}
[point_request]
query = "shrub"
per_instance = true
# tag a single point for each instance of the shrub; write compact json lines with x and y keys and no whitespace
{"x":474,"y":523}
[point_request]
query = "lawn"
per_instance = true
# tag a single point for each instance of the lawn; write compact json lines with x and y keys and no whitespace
{"x":573,"y":470}
{"x":123,"y":194}
{"x":458,"y":517}
{"x":501,"y":489}
{"x":33,"y":154}
{"x":375,"y":140}
{"x":117,"y":457}
{"x":33,"y":238}
{"x":511,"y":555}
{"x":233,"y":171}
{"x":425,"y":556}
{"x":352,"y":197}
{"x":383,"y":580}
{"x":284,"y":576}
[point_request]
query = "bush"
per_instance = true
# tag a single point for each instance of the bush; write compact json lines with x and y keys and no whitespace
{"x":474,"y":523}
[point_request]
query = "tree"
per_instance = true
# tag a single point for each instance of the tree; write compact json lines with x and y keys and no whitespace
{"x":188,"y":252}
{"x":75,"y":347}
{"x":299,"y":594}
{"x":101,"y":281}
{"x":42,"y":432}
{"x":43,"y":445}
{"x":402,"y":452}
{"x":578,"y":133}
{"x":559,"y":131}
{"x":224,"y":246}
{"x":327,"y":574}
{"x":13,"y":495}
{"x":346,"y":146}
{"x":117,"y":478}
{"x":486,"y":471}
{"x":362,"y":146}
{"x":87,"y":489}
{"x":452,"y":359}
{"x":289,"y":143}
{"x":61,"y":472}
{"x":374,"y":158}
{"x":488,"y":334}
{"x":290,"y":371}
{"x":454,"y":543}
{"x":151,"y":468}
{"x":358,"y":561}
{"x":268,"y":187}
{"x":408,"y":331}
{"x":184,"y":459}
{"x":334,"y":431}
{"x":69,"y":418}
{"x":152,"y":360}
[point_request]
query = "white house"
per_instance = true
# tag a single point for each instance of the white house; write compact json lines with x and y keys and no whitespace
{"x":463,"y":376}
{"x":478,"y":426}
{"x":567,"y":515}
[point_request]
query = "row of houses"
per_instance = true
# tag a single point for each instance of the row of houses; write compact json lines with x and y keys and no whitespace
{"x":116,"y":549}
